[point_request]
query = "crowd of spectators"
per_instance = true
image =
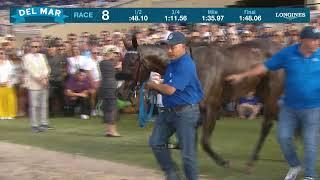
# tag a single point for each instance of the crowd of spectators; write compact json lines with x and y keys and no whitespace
{"x":76,"y":60}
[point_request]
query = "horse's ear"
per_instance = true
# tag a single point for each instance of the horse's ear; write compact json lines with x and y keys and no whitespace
{"x":134,"y":42}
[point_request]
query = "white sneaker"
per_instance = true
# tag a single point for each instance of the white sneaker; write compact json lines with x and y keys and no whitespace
{"x":84,"y":116}
{"x":293,"y":173}
{"x":308,"y":178}
{"x":93,"y":113}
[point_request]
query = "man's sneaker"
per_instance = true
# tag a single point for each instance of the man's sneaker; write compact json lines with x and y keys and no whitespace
{"x":50,"y":127}
{"x":293,"y":173}
{"x":46,"y":127}
{"x":309,"y":178}
{"x":36,"y":129}
{"x":84,"y":116}
{"x":93,"y":113}
{"x":173,"y":176}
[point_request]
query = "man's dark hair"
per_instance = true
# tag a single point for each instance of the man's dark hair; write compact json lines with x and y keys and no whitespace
{"x":93,"y":40}
{"x":52,"y":43}
{"x":72,"y":34}
{"x":81,"y":71}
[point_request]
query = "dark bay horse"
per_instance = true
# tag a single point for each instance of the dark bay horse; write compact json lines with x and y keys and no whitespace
{"x":213,"y":65}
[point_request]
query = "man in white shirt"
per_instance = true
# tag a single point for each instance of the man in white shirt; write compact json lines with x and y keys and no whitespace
{"x":77,"y":62}
{"x":37,"y":71}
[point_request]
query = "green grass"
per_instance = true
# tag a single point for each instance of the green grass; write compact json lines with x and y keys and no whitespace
{"x":233,"y":138}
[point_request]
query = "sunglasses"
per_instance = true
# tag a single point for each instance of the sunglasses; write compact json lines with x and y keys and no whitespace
{"x":35,"y":46}
{"x":95,"y":52}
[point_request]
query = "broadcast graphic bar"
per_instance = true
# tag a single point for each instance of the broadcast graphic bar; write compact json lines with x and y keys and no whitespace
{"x":158,"y":15}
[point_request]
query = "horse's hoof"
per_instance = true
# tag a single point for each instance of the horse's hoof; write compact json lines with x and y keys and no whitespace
{"x":227,"y":164}
{"x":249,"y":168}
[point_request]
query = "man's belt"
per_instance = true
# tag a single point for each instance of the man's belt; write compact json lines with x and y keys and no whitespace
{"x":178,"y":108}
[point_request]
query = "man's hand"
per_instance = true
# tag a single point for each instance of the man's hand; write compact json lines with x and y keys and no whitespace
{"x":162,"y":88}
{"x":84,"y":95}
{"x":151,"y":85}
{"x":258,"y":70}
{"x":44,"y":82}
{"x":235,"y":78}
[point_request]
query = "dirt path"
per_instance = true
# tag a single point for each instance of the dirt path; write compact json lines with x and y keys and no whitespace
{"x":19,"y":162}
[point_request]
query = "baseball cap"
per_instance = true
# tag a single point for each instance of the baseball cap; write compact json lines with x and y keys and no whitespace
{"x":110,"y":49}
{"x":310,"y":32}
{"x":9,"y":36}
{"x":176,"y":38}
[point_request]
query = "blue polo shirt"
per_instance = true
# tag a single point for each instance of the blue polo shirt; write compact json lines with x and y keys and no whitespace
{"x":249,"y":100}
{"x":181,"y":74}
{"x":302,"y":83}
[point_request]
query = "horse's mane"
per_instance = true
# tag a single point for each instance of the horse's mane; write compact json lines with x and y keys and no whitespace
{"x":155,"y":53}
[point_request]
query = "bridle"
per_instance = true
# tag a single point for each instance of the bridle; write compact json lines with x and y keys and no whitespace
{"x":139,"y":64}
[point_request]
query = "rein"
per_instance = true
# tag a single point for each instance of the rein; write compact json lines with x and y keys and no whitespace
{"x":145,"y":116}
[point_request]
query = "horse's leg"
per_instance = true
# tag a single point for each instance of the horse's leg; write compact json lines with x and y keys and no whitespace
{"x":265,"y":130}
{"x":272,"y":91}
{"x":208,"y":124}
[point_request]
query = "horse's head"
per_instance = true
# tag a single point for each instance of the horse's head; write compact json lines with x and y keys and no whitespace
{"x":152,"y":58}
{"x":138,"y":64}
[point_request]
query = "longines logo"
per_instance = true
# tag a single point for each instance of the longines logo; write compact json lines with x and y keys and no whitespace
{"x":290,"y":16}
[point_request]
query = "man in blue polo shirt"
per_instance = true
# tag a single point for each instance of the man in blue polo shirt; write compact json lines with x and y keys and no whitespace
{"x":182,"y":93}
{"x":301,"y":100}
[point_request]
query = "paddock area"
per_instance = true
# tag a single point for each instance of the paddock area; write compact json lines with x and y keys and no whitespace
{"x":79,"y":146}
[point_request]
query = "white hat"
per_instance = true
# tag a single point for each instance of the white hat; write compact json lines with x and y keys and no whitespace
{"x":117,"y":33}
{"x":155,"y":36}
{"x":203,"y":24}
{"x":246,"y":32}
{"x":9,"y":36}
{"x":110,"y":49}
{"x":231,"y":31}
{"x":220,"y":33}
